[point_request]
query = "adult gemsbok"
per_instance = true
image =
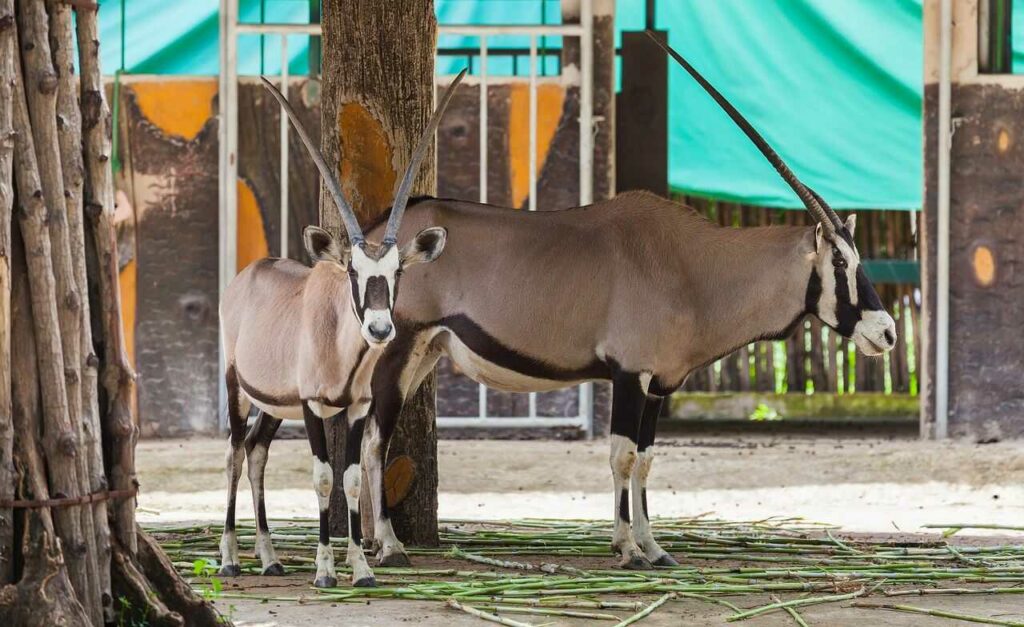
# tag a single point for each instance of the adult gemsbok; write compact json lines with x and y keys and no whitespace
{"x":637,"y":290}
{"x":301,"y":343}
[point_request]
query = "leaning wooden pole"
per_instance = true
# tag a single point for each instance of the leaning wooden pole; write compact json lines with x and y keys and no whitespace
{"x":69,"y":135}
{"x":7,"y":477}
{"x":61,"y":438}
{"x":63,"y":559}
{"x":117,"y":376}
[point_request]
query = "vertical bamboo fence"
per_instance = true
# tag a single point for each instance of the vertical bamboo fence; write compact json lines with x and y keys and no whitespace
{"x":816,"y":358}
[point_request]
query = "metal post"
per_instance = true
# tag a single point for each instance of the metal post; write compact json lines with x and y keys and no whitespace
{"x":533,"y":161}
{"x":228,"y":165}
{"x":587,"y":160}
{"x":942,"y":252}
{"x":284,"y":150}
{"x":482,"y":389}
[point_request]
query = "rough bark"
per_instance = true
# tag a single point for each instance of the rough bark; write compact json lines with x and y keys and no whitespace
{"x":378,"y":93}
{"x":69,"y":135}
{"x":43,"y":595}
{"x":7,"y":58}
{"x":117,"y":376}
{"x":61,"y":438}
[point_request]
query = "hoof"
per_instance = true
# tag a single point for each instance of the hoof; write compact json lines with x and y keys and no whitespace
{"x":274,"y":570}
{"x":638,"y":562}
{"x":326,"y":582}
{"x":365,"y":582}
{"x":230,"y":570}
{"x":666,"y":560}
{"x":396,"y":559}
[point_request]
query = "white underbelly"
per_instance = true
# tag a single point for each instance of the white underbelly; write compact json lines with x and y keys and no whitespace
{"x":494,"y":376}
{"x":294,"y":412}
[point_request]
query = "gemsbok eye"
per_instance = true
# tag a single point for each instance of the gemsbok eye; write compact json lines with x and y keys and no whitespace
{"x":839,"y":261}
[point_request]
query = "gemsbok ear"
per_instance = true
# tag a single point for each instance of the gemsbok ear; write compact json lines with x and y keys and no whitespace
{"x":851,"y":223}
{"x":819,"y":235}
{"x":322,"y":246}
{"x":426,"y":246}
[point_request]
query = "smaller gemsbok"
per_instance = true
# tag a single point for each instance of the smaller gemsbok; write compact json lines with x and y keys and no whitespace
{"x":301,"y":343}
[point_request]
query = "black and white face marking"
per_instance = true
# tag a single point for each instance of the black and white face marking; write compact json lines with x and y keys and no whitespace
{"x":841,"y":295}
{"x":375,"y":279}
{"x":373,"y":292}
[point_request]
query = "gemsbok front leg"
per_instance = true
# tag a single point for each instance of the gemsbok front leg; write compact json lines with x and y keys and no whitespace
{"x":323,"y":483}
{"x":645,"y":456}
{"x":362,"y":575}
{"x":629,"y":393}
{"x":238,"y":412}
{"x":257,"y":446}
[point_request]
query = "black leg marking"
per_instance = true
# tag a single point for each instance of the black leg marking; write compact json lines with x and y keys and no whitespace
{"x":643,"y":502}
{"x":649,"y":422}
{"x":624,"y":505}
{"x":236,"y":442}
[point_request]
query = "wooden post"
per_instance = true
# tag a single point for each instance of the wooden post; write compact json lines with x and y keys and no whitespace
{"x":378,"y":93}
{"x":7,"y":477}
{"x":117,"y":376}
{"x":61,"y":441}
{"x":69,"y":135}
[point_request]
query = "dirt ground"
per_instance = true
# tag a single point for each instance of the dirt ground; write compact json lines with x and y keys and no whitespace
{"x":870,"y":485}
{"x":862,"y":484}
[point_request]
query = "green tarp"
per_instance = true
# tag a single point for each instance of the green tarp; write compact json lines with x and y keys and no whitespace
{"x":834,"y":85}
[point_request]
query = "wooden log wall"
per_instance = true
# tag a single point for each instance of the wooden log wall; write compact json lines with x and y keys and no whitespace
{"x":816,"y":358}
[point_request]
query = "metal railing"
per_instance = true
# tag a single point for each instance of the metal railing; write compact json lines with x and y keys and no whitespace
{"x":231,"y":29}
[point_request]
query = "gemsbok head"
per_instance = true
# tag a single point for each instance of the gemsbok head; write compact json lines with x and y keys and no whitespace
{"x":374,"y":270}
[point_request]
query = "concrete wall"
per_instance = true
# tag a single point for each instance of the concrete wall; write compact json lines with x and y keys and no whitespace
{"x":168,"y":145}
{"x":986,"y":392}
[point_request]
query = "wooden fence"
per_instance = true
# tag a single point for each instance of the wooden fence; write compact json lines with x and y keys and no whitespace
{"x":816,"y":358}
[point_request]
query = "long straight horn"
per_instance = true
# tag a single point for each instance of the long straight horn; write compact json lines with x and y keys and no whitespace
{"x":822,"y":213}
{"x":405,"y":187}
{"x":348,"y":217}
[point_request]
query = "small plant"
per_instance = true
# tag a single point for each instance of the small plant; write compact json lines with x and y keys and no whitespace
{"x":207,"y":569}
{"x":763,"y":413}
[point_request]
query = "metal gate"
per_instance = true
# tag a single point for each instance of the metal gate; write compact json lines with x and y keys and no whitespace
{"x":231,"y":29}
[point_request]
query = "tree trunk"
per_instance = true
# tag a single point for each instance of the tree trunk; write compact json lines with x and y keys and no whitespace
{"x":378,"y":93}
{"x":7,"y":477}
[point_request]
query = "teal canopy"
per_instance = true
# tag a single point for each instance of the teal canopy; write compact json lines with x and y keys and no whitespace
{"x":835,"y":87}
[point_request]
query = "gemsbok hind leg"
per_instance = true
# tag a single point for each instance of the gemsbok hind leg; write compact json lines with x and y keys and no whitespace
{"x":629,"y":392}
{"x":323,"y":483}
{"x":645,"y":456}
{"x":238,"y":412}
{"x":362,"y":575}
{"x":257,"y":445}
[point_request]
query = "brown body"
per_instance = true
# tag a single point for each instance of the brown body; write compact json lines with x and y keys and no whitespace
{"x":637,"y":283}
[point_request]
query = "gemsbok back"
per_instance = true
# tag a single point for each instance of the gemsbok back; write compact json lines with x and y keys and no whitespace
{"x":301,"y":343}
{"x":637,"y":290}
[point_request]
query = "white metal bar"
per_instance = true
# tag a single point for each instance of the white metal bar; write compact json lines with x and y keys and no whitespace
{"x":516,"y":422}
{"x":483,"y":118}
{"x":482,"y":390}
{"x":587,"y":158}
{"x":533,"y":123}
{"x":284,"y":150}
{"x":942,"y":252}
{"x":276,"y":29}
{"x":568,"y":30}
{"x":227,"y":218}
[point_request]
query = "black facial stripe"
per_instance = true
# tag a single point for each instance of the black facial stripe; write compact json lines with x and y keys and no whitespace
{"x":377,"y":294}
{"x":847,"y":314}
{"x":813,"y":295}
{"x":356,"y":298}
{"x":867,"y":297}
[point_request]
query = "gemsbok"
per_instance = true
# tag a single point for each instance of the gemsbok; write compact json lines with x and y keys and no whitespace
{"x":637,"y":290}
{"x":301,"y":343}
